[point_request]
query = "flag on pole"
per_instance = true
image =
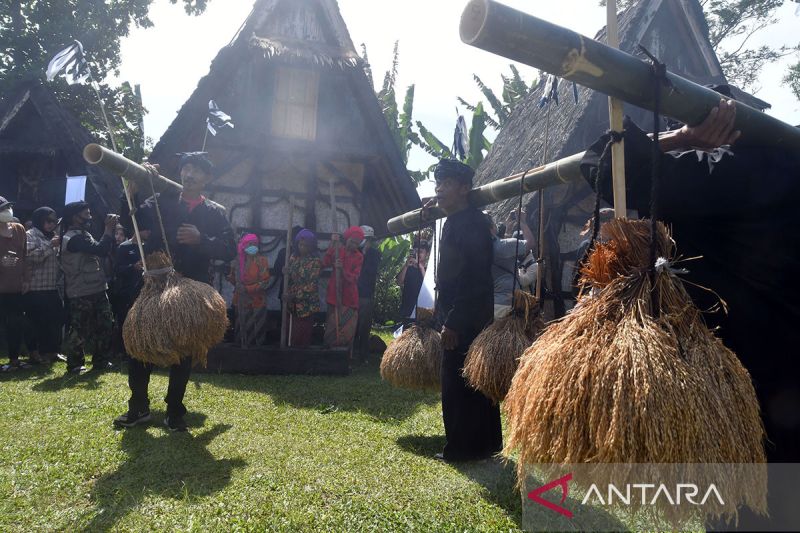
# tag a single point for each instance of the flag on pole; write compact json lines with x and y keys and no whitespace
{"x":71,"y":64}
{"x":461,"y":139}
{"x":217,"y":119}
{"x":550,"y":93}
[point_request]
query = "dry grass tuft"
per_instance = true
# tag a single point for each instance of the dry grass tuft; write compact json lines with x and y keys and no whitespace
{"x":173,"y":318}
{"x":493,"y":357}
{"x":414,"y":359}
{"x":614,"y":382}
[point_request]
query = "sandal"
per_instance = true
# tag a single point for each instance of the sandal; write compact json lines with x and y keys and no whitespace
{"x":8,"y":368}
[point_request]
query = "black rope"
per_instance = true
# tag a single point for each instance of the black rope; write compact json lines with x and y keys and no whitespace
{"x":516,"y":249}
{"x":659,"y":80}
{"x":613,"y":138}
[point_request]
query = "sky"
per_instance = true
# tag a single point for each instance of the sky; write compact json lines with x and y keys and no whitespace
{"x":169,"y":59}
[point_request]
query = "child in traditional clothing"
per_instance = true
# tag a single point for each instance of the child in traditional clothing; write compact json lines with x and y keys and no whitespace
{"x":249,"y":276}
{"x":340,"y":326}
{"x":303,"y":288}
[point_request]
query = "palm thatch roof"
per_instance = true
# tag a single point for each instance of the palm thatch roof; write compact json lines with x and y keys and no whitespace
{"x":310,"y":34}
{"x":41,"y":143}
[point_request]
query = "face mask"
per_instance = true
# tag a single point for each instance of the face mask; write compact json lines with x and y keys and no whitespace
{"x":251,"y":250}
{"x":7,"y":215}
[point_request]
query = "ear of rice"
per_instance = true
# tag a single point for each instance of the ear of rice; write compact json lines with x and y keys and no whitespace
{"x":614,"y":382}
{"x":173,"y":318}
{"x":414,"y":359}
{"x":493,"y":356}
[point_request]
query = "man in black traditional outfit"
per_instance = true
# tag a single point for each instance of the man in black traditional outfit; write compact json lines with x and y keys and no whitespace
{"x":197,"y":232}
{"x":735,"y":208}
{"x":465,"y":306}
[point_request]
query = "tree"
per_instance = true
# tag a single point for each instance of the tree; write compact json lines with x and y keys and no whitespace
{"x":33,"y":31}
{"x":731,"y":26}
{"x":515,"y":89}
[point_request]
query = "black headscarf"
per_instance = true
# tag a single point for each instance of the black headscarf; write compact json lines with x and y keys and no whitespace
{"x":453,"y":168}
{"x":198,"y":159}
{"x":39,"y":216}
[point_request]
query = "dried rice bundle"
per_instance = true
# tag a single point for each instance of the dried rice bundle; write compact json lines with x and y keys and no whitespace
{"x":493,"y":356}
{"x":174,"y":317}
{"x":414,"y":359}
{"x":613,"y":382}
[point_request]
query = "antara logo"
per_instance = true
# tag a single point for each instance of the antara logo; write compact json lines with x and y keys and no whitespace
{"x":650,"y":494}
{"x":563,"y":482}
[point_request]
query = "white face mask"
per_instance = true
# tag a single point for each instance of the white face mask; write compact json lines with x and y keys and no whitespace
{"x":7,"y":215}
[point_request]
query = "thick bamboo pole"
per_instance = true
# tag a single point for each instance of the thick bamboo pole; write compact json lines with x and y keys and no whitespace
{"x":124,"y":167}
{"x":515,"y":35}
{"x":286,"y":330}
{"x":562,"y":171}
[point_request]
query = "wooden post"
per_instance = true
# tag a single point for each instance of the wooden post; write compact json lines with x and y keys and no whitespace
{"x":284,"y":302}
{"x":615,"y":113}
{"x":337,"y":270}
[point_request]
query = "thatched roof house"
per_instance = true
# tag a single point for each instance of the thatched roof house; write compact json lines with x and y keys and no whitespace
{"x":674,"y":31}
{"x":40,"y":144}
{"x":305,"y":114}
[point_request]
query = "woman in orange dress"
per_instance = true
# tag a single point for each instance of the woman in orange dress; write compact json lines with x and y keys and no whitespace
{"x":249,"y":276}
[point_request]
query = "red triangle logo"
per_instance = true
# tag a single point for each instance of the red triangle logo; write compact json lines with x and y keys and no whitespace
{"x":562,"y":482}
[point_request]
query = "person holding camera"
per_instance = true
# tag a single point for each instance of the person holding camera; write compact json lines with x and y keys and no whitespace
{"x":411,"y":277}
{"x":85,"y":286}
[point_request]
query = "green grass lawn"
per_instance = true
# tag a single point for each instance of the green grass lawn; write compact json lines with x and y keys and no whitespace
{"x":264,"y":453}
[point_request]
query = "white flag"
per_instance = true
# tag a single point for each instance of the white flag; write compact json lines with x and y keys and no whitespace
{"x":217,"y":119}
{"x":71,"y":64}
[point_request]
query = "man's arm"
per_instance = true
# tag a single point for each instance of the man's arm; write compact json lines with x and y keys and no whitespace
{"x":221,"y":245}
{"x":84,"y":243}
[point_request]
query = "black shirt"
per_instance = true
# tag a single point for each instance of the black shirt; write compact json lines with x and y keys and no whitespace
{"x":466,"y":292}
{"x":412,"y":283}
{"x":369,"y":273}
{"x":193,"y":261}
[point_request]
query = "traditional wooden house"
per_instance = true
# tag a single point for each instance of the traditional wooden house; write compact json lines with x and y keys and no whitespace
{"x":310,"y":146}
{"x":674,"y":31}
{"x":40,"y":145}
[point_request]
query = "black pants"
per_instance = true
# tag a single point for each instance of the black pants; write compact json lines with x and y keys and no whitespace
{"x":139,"y":379}
{"x":45,"y":311}
{"x":13,"y":321}
{"x":364,"y":327}
{"x":471,"y":422}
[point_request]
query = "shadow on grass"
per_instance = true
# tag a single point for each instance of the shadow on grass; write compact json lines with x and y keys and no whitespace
{"x":362,"y":391}
{"x":89,"y":381}
{"x":497,"y":477}
{"x":170,"y":465}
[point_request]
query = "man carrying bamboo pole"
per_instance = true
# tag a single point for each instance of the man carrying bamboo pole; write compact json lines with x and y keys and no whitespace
{"x":195,"y":232}
{"x":465,"y":306}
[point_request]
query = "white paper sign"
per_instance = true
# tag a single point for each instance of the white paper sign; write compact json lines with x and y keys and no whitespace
{"x":426,"y":293}
{"x":76,"y":189}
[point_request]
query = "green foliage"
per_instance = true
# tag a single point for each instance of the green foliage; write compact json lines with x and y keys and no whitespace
{"x":398,"y":120}
{"x":33,"y":31}
{"x":792,"y":79}
{"x":394,"y":252}
{"x":514,"y":91}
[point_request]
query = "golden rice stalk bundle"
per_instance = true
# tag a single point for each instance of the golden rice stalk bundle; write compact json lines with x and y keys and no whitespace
{"x":173,"y":318}
{"x":493,"y":357}
{"x":616,"y":382}
{"x":414,"y":359}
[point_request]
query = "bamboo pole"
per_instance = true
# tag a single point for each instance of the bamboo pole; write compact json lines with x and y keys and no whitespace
{"x":285,"y":304}
{"x":120,"y":165}
{"x":337,"y":270}
{"x":515,"y":35}
{"x":615,"y":115}
{"x":564,"y":170}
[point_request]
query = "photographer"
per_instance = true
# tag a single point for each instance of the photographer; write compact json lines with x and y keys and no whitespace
{"x":410,"y":278}
{"x":85,"y":287}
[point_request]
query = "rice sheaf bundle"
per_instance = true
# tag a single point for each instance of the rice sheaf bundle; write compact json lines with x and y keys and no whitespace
{"x":616,"y":382}
{"x":493,"y":356}
{"x":414,"y":359}
{"x":174,"y":317}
